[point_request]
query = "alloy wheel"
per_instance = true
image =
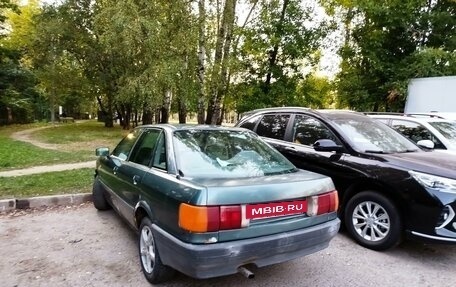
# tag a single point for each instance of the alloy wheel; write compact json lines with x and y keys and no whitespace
{"x":371,"y":221}
{"x":147,"y":249}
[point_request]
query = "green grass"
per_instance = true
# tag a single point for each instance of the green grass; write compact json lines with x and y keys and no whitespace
{"x":85,"y":131}
{"x":77,"y":143}
{"x":52,"y":183}
{"x":17,"y":154}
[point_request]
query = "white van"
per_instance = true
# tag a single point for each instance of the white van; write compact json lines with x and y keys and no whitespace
{"x":432,"y":96}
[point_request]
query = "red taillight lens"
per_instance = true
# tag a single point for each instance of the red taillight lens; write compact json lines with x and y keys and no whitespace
{"x":230,"y":217}
{"x":209,"y":218}
{"x":213,"y":215}
{"x":324,"y":203}
{"x":328,"y":202}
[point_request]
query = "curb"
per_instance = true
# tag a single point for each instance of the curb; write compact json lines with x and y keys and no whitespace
{"x":44,"y":201}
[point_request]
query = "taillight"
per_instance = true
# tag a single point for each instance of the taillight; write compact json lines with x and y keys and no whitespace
{"x":230,"y":217}
{"x":323,"y":203}
{"x":209,"y":218}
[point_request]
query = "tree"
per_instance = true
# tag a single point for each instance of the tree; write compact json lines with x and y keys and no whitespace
{"x":201,"y":60}
{"x":383,"y":40}
{"x":17,"y":84}
{"x":221,"y":59}
{"x":283,"y":38}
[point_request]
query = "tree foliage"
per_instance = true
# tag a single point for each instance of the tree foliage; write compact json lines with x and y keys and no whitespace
{"x":18,"y":96}
{"x":280,"y":43}
{"x":140,"y":61}
{"x":387,"y":43}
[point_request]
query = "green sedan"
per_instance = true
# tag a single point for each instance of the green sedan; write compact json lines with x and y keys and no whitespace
{"x":212,"y":201}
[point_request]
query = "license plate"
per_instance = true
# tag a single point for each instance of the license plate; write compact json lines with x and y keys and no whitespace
{"x":275,"y":209}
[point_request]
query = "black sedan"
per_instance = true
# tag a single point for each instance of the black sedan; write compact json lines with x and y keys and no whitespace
{"x":213,"y":201}
{"x":387,"y":185}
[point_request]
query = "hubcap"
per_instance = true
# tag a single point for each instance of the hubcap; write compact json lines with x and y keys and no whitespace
{"x":147,"y":249}
{"x":371,"y":221}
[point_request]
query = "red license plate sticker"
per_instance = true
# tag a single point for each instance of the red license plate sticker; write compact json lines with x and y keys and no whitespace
{"x":275,"y":209}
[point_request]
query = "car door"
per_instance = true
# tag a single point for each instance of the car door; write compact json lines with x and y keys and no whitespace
{"x":304,"y":132}
{"x":110,"y":165}
{"x":160,"y":187}
{"x":131,"y":173}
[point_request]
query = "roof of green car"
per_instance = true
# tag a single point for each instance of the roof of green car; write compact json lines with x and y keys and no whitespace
{"x":176,"y":127}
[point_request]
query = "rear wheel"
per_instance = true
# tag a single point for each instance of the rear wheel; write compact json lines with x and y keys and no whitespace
{"x":373,"y":221}
{"x":98,"y":196}
{"x":151,"y":265}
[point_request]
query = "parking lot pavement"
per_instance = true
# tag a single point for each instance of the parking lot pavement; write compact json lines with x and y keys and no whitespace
{"x":78,"y":246}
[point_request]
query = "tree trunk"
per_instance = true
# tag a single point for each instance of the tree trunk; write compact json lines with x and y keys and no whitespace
{"x":273,"y":54}
{"x":201,"y":61}
{"x":108,"y":113}
{"x":157,"y":115}
{"x":52,"y":105}
{"x":217,"y":116}
{"x":166,"y":107}
{"x":182,"y":111}
{"x":215,"y":78}
{"x":221,"y":58}
{"x":147,"y":116}
{"x":127,"y":119}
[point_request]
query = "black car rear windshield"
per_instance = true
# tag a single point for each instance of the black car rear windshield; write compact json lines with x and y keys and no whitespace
{"x":226,"y":154}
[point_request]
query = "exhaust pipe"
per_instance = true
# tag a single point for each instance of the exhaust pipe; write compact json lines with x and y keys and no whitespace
{"x":246,"y":272}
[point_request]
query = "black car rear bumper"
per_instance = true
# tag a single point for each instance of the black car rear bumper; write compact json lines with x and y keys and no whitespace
{"x":218,"y":259}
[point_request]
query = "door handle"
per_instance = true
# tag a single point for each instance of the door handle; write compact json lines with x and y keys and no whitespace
{"x":114,"y":169}
{"x":289,"y":148}
{"x":136,"y":179}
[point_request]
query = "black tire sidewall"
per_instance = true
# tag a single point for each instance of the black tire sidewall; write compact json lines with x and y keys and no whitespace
{"x":160,"y":273}
{"x":394,"y":236}
{"x":98,"y":196}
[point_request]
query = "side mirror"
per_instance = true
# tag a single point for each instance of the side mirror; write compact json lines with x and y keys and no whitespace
{"x":102,"y":151}
{"x":327,"y":145}
{"x":426,"y":144}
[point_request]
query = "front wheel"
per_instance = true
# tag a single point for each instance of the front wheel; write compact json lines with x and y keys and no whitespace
{"x":151,"y":265}
{"x":98,"y":196}
{"x":373,"y":221}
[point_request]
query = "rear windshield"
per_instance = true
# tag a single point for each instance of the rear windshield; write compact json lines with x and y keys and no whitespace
{"x":226,"y":154}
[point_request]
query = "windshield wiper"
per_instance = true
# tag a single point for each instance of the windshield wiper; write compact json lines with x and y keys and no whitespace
{"x":291,"y":170}
{"x":407,"y":150}
{"x":374,"y":151}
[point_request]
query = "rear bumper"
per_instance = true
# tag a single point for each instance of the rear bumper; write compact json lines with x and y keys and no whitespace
{"x":218,"y":259}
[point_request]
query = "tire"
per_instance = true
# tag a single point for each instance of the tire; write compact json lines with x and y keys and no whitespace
{"x":149,"y":257}
{"x":373,"y":221}
{"x":98,"y":196}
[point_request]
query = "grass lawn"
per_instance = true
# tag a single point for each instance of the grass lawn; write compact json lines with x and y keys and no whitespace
{"x":74,"y":142}
{"x":81,"y":132}
{"x":52,"y":183}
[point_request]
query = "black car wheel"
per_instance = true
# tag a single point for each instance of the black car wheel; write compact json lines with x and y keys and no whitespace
{"x":151,"y":264}
{"x":373,"y":221}
{"x":98,"y":196}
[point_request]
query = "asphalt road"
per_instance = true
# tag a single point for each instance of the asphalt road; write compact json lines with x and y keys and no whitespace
{"x":78,"y":246}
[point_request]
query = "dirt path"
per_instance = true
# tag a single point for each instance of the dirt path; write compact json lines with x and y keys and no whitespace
{"x":47,"y":168}
{"x":26,"y":136}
